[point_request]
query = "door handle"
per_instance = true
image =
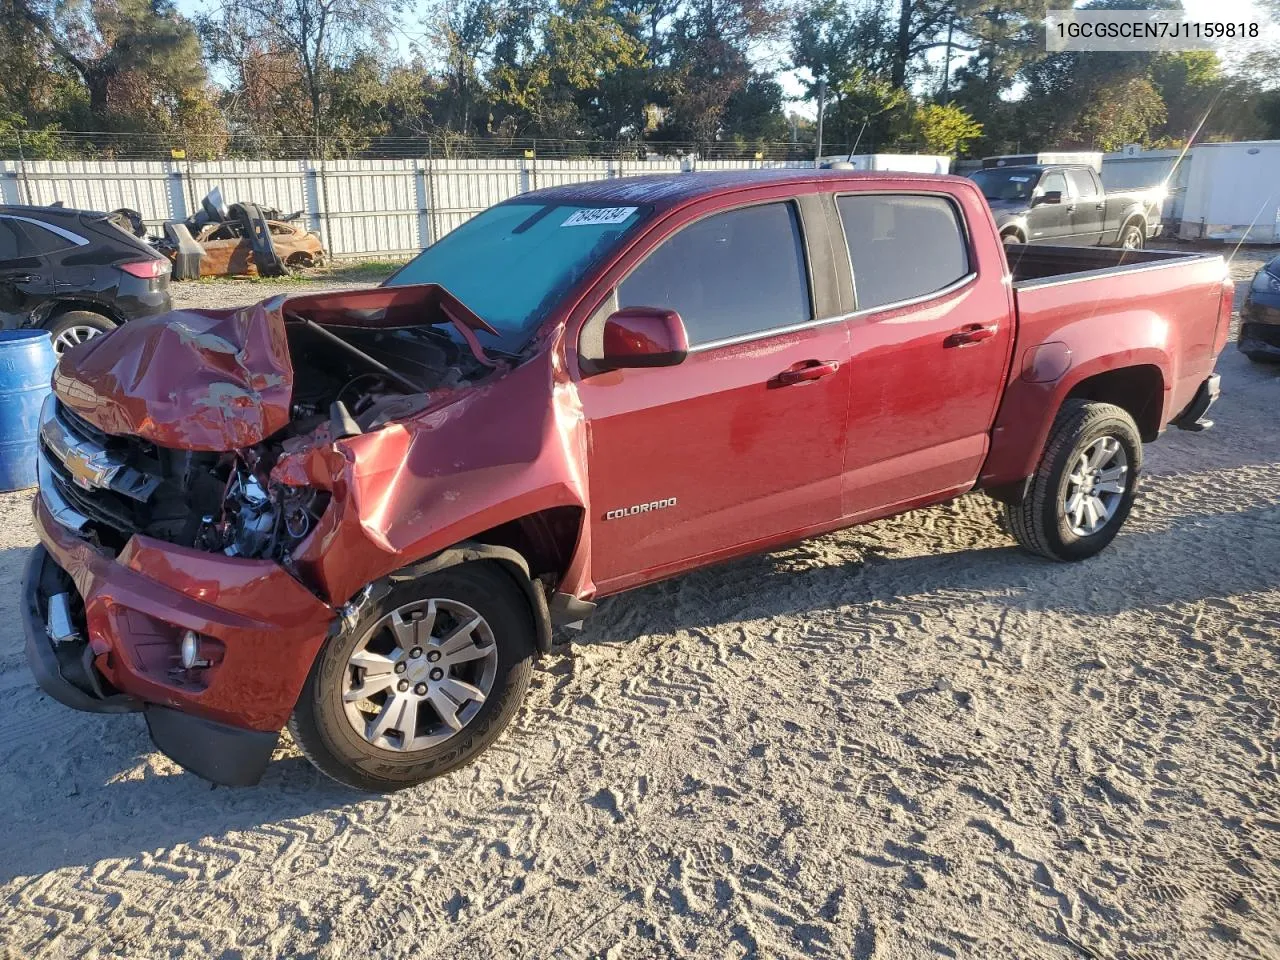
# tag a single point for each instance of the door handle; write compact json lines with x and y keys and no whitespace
{"x":25,"y":278}
{"x":972,"y":333}
{"x":1099,"y":206}
{"x":1071,"y":208}
{"x":806,"y":371}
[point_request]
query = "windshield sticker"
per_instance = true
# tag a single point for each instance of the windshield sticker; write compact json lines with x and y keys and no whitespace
{"x":598,"y":216}
{"x":1019,"y":179}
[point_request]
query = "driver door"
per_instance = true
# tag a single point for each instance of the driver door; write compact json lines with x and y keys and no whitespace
{"x":1050,"y":222}
{"x":743,"y":442}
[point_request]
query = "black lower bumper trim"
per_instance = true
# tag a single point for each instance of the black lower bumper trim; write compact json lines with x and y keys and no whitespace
{"x":227,"y":755}
{"x":1192,"y":418}
{"x":55,"y":669}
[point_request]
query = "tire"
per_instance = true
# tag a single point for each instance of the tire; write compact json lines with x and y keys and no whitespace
{"x":1008,"y":239}
{"x":76,"y":326}
{"x":323,"y":724}
{"x":1132,"y":237}
{"x":1040,"y":523}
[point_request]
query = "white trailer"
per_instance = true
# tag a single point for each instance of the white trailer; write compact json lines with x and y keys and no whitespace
{"x":1233,"y":193}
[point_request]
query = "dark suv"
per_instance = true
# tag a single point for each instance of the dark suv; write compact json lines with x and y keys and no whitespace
{"x":75,"y":273}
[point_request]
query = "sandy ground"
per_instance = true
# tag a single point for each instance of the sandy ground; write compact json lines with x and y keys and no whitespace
{"x":904,"y":740}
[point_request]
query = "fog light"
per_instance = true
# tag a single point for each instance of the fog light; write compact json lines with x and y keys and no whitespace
{"x":191,"y":649}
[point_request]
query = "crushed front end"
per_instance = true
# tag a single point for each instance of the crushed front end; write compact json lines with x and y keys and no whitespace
{"x":110,"y":598}
{"x":179,"y":527}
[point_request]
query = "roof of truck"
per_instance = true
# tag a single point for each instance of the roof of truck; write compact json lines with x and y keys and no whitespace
{"x":672,"y":188}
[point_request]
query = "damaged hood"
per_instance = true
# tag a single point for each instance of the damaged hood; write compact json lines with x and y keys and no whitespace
{"x":218,"y":380}
{"x":191,"y":379}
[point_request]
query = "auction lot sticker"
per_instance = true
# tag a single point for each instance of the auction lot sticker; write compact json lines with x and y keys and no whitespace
{"x":598,"y":216}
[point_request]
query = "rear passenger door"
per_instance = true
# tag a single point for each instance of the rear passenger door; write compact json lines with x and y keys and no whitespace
{"x":745,"y":438}
{"x":25,"y":283}
{"x":929,"y":346}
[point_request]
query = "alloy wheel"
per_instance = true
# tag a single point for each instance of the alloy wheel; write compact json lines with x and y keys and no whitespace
{"x":73,"y":336}
{"x":1095,"y":486}
{"x":420,"y":674}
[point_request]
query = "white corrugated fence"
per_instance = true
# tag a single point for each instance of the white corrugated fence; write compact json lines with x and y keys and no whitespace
{"x":360,"y":208}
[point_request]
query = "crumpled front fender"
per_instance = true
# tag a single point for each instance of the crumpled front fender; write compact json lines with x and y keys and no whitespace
{"x":472,"y":460}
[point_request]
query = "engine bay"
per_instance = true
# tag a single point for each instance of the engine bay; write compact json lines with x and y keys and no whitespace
{"x":346,"y":381}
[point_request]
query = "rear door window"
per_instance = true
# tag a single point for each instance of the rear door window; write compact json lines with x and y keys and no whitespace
{"x":902,"y":246}
{"x":1082,"y":184}
{"x":729,"y":275}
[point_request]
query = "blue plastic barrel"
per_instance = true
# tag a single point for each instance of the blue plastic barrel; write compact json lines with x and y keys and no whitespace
{"x":26,"y":366}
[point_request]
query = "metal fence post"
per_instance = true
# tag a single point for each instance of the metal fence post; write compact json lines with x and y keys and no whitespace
{"x":23,"y":186}
{"x":424,"y":187}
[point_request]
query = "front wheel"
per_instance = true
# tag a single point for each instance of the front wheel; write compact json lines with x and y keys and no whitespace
{"x":1132,"y":237}
{"x":1084,"y":486}
{"x":428,"y":677}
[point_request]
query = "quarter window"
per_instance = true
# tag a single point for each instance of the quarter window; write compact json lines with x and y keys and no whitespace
{"x":902,"y":247}
{"x":729,"y":275}
{"x":40,"y":241}
{"x":9,"y":239}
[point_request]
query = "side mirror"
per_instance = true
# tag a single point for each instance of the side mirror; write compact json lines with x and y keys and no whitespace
{"x":1050,"y":196}
{"x":643,"y":337}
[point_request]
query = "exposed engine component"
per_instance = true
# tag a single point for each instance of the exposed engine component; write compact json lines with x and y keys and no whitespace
{"x":260,"y":520}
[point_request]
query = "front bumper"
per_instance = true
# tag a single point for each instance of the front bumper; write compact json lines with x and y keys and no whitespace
{"x":260,"y":631}
{"x":1260,"y":326}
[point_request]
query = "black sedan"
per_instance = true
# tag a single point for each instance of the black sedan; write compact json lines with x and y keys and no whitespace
{"x":1260,"y":316}
{"x":76,"y":274}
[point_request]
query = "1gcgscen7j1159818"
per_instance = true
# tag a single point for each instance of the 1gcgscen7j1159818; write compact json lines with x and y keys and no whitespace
{"x":363,"y":513}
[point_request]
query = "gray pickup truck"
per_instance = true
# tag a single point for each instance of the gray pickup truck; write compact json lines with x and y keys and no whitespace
{"x":1066,"y":204}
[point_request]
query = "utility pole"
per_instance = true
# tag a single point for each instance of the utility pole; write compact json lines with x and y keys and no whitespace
{"x":946,"y":70}
{"x":822,"y":102}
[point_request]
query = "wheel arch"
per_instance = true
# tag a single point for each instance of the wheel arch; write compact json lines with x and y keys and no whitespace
{"x":509,"y":561}
{"x":54,"y":309}
{"x":1138,"y":390}
{"x":1130,"y":217}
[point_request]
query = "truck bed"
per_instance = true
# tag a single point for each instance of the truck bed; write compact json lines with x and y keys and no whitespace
{"x":1039,"y":264}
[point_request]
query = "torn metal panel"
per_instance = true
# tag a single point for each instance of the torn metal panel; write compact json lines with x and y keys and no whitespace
{"x":473,"y":460}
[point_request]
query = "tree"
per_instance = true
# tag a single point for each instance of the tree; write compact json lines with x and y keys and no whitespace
{"x":314,"y":37}
{"x":1125,"y":111}
{"x":945,"y":129}
{"x":113,"y":65}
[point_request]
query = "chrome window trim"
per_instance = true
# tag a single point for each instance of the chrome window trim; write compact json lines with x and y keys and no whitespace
{"x":797,"y":216}
{"x":884,"y":308}
{"x":956,"y":211}
{"x":74,"y":238}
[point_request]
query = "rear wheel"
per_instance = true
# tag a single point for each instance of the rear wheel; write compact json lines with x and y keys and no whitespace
{"x":1084,"y":486}
{"x":74,"y":327}
{"x":429,"y":676}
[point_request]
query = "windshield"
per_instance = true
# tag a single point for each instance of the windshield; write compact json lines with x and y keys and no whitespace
{"x":513,"y":262}
{"x":1005,"y":184}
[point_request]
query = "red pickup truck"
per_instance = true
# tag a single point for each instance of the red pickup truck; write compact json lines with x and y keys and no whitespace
{"x":363,"y":513}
